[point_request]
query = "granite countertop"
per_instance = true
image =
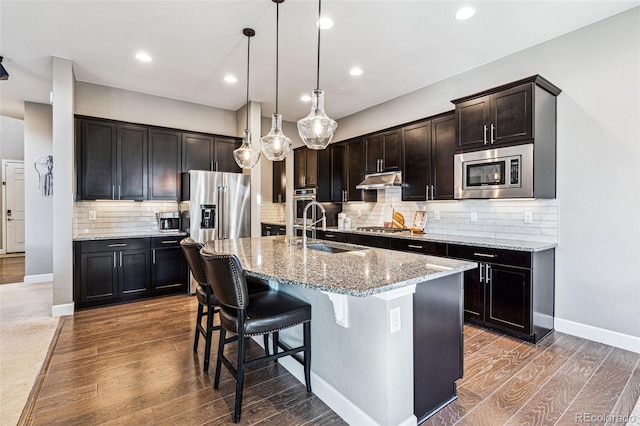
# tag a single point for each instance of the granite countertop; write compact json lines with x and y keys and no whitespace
{"x":362,"y":272}
{"x":531,"y":246}
{"x":120,"y":235}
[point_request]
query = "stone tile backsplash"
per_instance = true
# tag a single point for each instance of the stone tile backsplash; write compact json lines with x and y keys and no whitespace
{"x":273,"y":213}
{"x":118,"y":216}
{"x":502,"y":219}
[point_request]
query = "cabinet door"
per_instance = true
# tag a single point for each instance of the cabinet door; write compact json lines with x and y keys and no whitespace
{"x":338,"y":172}
{"x":168,"y":270}
{"x":312,"y":168}
{"x":134,"y":272}
{"x":98,"y":277}
{"x":392,"y":146}
{"x":223,"y":155}
{"x":279,"y":182}
{"x":474,"y":294}
{"x":508,"y":296}
{"x":355,"y":172}
{"x":369,"y":240}
{"x":512,"y":115}
{"x":97,"y":160}
{"x":472,"y":123}
{"x":300,"y":167}
{"x":324,"y":175}
{"x":164,"y":165}
{"x":197,"y":152}
{"x":443,"y":149}
{"x":417,"y":161}
{"x":373,"y":153}
{"x":268,"y":230}
{"x":131,"y":162}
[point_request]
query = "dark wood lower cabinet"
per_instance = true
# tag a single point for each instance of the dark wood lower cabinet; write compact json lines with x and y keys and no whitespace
{"x":269,"y":229}
{"x":111,"y":271}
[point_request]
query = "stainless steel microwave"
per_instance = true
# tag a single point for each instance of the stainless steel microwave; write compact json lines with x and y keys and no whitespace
{"x":494,"y":173}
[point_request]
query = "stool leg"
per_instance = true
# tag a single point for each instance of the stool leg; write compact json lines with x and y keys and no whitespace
{"x":197,"y":336}
{"x":307,"y":354}
{"x":275,"y":341}
{"x":265,"y":337}
{"x":207,"y":344}
{"x":239,"y":378}
{"x":222,"y":338}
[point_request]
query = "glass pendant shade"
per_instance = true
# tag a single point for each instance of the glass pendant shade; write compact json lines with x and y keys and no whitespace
{"x":317,"y":129}
{"x":275,"y":144}
{"x":245,"y":156}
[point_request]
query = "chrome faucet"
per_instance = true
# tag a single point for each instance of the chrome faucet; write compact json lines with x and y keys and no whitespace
{"x":304,"y":221}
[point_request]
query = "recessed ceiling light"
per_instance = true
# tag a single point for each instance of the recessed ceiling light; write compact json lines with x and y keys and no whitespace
{"x":230,"y":78}
{"x":305,"y":98}
{"x":143,"y":56}
{"x":355,"y":71}
{"x":465,"y":13}
{"x":324,"y":23}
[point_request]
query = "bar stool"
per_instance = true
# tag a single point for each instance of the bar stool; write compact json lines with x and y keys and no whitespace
{"x":207,"y":299}
{"x":247,"y":315}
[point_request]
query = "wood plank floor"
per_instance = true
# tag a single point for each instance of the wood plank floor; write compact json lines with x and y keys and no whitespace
{"x":11,"y":269}
{"x":134,"y":364}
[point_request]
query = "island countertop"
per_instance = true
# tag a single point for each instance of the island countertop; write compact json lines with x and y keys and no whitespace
{"x":362,"y":272}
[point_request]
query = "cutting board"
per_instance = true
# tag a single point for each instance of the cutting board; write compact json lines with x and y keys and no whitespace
{"x":398,"y":220}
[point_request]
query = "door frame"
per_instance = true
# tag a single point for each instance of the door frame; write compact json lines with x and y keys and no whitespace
{"x":5,"y":162}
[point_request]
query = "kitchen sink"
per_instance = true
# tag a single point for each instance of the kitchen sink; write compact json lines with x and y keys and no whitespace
{"x":330,"y":248}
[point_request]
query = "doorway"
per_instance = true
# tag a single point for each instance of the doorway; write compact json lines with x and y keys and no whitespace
{"x":13,"y":206}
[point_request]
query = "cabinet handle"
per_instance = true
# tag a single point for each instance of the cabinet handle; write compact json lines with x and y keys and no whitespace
{"x":488,"y":273}
{"x":114,"y":259}
{"x":329,"y":236}
{"x":154,"y":256}
{"x":492,"y":138}
{"x":481,"y":266}
{"x":427,"y":192}
{"x":121,"y":259}
{"x":414,"y":246}
{"x":485,"y":134}
{"x":279,"y":198}
{"x":492,"y":256}
{"x":211,"y":166}
{"x":216,"y":166}
{"x":119,"y":192}
{"x":170,"y":242}
{"x":113,"y":192}
{"x":117,"y":245}
{"x":433,"y":187}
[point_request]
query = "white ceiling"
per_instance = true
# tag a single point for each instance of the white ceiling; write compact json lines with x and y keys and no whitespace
{"x":401,"y":45}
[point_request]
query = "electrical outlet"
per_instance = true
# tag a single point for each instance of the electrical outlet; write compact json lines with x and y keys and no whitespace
{"x":359,"y":214}
{"x":395,"y":318}
{"x":436,"y":215}
{"x":528,"y":217}
{"x":474,"y":216}
{"x":92,"y":215}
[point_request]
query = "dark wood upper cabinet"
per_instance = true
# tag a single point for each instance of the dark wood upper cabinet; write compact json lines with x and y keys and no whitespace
{"x":164,"y":164}
{"x":197,"y":152}
{"x":382,"y":151}
{"x":503,"y":115}
{"x":223,"y":155}
{"x":443,"y":149}
{"x":131,"y":162}
{"x":305,"y":164}
{"x":332,"y":174}
{"x":355,"y":175}
{"x":279,"y":182}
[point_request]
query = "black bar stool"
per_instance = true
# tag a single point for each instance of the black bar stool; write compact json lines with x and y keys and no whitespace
{"x":207,"y":299}
{"x":252,"y":315}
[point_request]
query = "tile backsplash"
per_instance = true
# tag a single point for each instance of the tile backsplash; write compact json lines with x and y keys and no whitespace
{"x":118,"y":216}
{"x":273,"y":212}
{"x":502,"y":219}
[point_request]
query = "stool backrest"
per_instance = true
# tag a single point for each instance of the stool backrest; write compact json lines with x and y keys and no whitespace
{"x":191,"y":250}
{"x":226,"y":278}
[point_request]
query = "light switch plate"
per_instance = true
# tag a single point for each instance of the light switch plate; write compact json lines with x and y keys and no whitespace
{"x":436,"y":215}
{"x":92,"y":215}
{"x":474,"y":216}
{"x":528,"y":217}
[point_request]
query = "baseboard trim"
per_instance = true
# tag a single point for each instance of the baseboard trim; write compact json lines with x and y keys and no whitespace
{"x":62,"y":310}
{"x":596,"y":334}
{"x":340,"y":404}
{"x":41,"y":278}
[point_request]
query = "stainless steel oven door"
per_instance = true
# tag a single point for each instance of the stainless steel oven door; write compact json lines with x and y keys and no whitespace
{"x":495,"y":173}
{"x":301,"y":198}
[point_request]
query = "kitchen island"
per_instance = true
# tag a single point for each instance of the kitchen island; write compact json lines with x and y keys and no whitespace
{"x":386,"y":325}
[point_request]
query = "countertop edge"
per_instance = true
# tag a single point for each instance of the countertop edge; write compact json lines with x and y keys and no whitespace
{"x":150,"y":234}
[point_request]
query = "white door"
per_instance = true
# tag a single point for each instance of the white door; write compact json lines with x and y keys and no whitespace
{"x":14,"y":173}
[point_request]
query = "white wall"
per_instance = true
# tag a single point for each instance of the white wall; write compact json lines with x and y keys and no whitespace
{"x":11,"y":148}
{"x":598,"y":69}
{"x":117,"y":104}
{"x":38,"y":135}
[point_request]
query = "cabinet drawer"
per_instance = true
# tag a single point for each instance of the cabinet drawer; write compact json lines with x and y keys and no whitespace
{"x":424,"y":247}
{"x":111,"y":245}
{"x":368,"y":240}
{"x":483,"y":254}
{"x":332,"y":236}
{"x":166,"y":242}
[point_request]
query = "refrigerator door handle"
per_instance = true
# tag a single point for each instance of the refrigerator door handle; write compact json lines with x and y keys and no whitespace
{"x":222,"y":210}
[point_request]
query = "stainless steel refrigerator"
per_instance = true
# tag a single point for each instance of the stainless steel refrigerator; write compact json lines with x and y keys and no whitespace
{"x":216,"y":206}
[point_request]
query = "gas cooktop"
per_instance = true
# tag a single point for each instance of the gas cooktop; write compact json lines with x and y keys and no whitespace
{"x":380,"y":229}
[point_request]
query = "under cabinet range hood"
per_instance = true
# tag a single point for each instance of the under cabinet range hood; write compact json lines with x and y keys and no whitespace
{"x":381,"y":180}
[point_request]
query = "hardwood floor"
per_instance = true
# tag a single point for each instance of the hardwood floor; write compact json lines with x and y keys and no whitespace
{"x":11,"y":269}
{"x":134,"y":364}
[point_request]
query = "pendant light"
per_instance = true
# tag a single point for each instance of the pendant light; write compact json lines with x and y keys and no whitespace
{"x":275,"y":145}
{"x":317,"y":129}
{"x":245,"y":156}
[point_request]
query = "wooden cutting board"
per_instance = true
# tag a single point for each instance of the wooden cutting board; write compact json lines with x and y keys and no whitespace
{"x":398,"y":220}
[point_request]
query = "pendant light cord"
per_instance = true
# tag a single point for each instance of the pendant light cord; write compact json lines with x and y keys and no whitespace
{"x":318,"y":67}
{"x":277,"y":50}
{"x":248,"y":65}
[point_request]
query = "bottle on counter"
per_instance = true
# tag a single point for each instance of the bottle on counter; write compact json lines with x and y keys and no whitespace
{"x":341,"y":219}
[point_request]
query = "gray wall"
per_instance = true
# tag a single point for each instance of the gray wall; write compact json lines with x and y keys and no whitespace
{"x":597,"y":67}
{"x":11,"y":148}
{"x":38,"y":133}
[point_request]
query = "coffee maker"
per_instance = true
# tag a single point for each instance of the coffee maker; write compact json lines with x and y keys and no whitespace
{"x":168,"y":221}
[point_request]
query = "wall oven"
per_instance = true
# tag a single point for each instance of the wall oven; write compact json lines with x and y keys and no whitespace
{"x":302,"y":197}
{"x":495,"y":173}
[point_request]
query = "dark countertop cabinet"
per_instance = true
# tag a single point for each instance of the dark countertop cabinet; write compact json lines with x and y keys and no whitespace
{"x":305,"y":164}
{"x":269,"y":229}
{"x":279,"y":182}
{"x":164,"y":165}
